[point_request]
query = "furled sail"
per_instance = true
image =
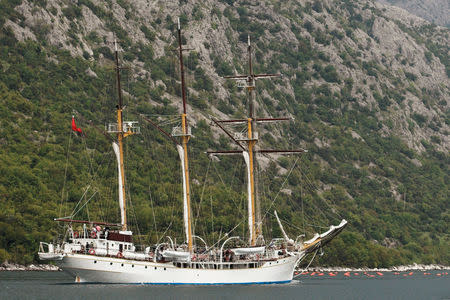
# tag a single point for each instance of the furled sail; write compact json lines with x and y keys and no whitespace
{"x":121,"y":199}
{"x":185,"y":204}
{"x":249,"y":191}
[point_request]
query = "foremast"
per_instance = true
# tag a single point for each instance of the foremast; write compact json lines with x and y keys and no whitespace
{"x":122,"y":129}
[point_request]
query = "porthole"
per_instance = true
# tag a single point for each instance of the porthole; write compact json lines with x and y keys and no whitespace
{"x":146,"y":267}
{"x":155,"y":268}
{"x":95,"y":261}
{"x":132,"y":266}
{"x":110,"y":263}
{"x":164,"y":269}
{"x":122,"y":265}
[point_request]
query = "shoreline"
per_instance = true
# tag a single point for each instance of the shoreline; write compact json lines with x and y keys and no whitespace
{"x":6,"y":266}
{"x":413,"y":267}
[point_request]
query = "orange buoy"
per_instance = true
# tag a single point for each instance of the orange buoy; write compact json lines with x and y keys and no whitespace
{"x":410,"y":273}
{"x":320,"y":274}
{"x":304,"y":273}
{"x":347,"y":274}
{"x":356,"y":274}
{"x":438,"y":274}
{"x":313,"y":273}
{"x":379,"y":274}
{"x":396,"y":273}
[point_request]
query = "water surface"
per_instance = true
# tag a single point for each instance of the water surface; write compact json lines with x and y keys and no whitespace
{"x":59,"y":285}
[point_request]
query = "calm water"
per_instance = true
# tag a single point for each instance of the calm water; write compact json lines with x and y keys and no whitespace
{"x":58,"y":285}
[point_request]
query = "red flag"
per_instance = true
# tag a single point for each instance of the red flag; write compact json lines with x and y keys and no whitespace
{"x":74,"y":126}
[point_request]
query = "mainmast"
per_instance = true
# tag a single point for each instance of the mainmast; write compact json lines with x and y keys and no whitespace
{"x":185,"y":135}
{"x":122,"y":129}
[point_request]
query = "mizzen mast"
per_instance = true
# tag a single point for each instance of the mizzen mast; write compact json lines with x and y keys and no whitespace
{"x":251,"y":140}
{"x":248,"y":81}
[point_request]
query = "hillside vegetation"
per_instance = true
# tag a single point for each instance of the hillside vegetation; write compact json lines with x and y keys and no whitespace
{"x":368,"y":91}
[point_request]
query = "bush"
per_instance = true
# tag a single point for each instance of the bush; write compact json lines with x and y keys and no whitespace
{"x":149,"y":35}
{"x":329,"y":74}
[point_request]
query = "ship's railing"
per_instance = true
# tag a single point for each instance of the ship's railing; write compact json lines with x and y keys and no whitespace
{"x":178,"y":131}
{"x":243,"y":136}
{"x":244,"y":83}
{"x":127,"y":126}
{"x":218,"y":265}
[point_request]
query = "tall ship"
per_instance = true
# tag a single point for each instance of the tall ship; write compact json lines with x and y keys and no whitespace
{"x":105,"y":252}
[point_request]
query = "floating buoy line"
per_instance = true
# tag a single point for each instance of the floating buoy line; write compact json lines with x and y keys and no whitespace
{"x":368,"y":274}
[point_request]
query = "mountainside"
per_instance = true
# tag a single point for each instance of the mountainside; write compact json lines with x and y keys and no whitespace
{"x":435,"y":11}
{"x":366,"y":84}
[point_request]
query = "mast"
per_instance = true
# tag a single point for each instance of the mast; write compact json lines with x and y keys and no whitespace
{"x":183,"y":150}
{"x":120,"y":136}
{"x":251,"y":142}
{"x":122,"y":129}
{"x":248,"y":81}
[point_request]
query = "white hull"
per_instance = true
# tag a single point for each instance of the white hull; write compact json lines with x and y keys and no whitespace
{"x":89,"y":268}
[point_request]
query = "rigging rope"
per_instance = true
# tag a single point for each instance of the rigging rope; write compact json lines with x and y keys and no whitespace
{"x":153,"y":212}
{"x":282,"y":185}
{"x":300,"y":273}
{"x":87,"y":201}
{"x":65,"y":176}
{"x":312,"y":186}
{"x":201,"y":196}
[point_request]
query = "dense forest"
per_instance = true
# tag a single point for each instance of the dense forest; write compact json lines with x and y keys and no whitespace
{"x":376,"y":130}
